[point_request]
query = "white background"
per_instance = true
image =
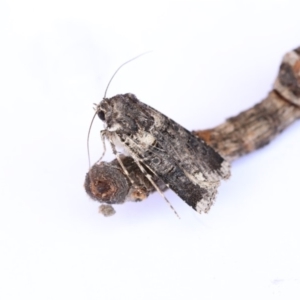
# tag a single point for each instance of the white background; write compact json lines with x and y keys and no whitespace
{"x":210,"y":60}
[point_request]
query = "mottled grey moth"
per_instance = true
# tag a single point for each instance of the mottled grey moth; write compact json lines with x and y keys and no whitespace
{"x":164,"y":149}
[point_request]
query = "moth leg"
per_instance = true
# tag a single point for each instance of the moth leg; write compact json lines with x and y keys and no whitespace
{"x":149,"y":177}
{"x":102,"y":135}
{"x":117,"y":154}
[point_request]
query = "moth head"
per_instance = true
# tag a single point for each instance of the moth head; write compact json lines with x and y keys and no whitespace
{"x":105,"y":112}
{"x":118,"y":113}
{"x":102,"y":109}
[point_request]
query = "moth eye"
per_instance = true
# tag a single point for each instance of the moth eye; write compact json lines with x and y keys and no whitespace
{"x":101,"y":115}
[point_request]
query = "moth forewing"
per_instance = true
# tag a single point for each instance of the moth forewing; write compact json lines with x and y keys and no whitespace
{"x":185,"y":163}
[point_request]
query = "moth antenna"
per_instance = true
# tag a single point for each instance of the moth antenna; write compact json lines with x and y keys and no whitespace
{"x":128,"y":61}
{"x":88,"y":138}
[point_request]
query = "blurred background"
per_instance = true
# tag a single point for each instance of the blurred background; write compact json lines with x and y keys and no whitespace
{"x":209,"y":61}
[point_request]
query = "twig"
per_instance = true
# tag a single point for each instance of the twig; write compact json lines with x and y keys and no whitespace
{"x":237,"y":136}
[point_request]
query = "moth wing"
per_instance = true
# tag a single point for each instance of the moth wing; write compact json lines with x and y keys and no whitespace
{"x":187,"y":165}
{"x":190,"y":167}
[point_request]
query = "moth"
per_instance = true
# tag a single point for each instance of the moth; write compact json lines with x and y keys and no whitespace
{"x":163,"y":149}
